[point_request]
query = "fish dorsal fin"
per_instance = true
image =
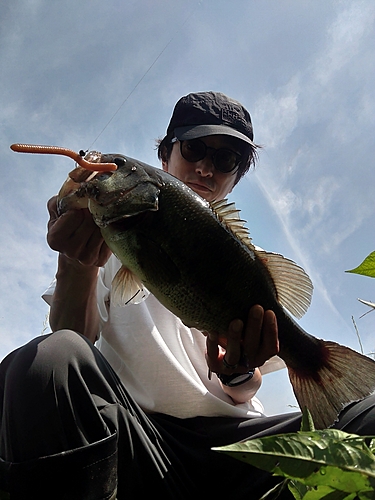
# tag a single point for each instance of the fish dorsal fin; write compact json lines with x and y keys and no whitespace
{"x":127,"y":288}
{"x":228,"y":214}
{"x":293,"y":286}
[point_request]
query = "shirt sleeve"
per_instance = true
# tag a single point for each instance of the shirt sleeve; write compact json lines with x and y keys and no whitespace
{"x":102,"y":291}
{"x":272,"y":365}
{"x":47,"y":295}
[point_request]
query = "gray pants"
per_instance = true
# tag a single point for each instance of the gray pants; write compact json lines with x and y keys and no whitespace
{"x":70,"y":430}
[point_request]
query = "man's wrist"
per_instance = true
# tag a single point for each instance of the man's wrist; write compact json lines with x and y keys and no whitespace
{"x":69,"y":265}
{"x":236,"y":379}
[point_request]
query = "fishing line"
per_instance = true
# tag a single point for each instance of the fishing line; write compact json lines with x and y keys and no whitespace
{"x":145,"y":74}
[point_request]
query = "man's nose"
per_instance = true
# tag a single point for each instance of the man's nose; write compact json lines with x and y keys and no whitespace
{"x":205,"y":167}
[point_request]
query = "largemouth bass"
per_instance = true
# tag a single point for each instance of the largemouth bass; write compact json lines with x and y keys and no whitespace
{"x":199,"y":262}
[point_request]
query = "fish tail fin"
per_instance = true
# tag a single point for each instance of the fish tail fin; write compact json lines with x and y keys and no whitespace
{"x":345,"y":376}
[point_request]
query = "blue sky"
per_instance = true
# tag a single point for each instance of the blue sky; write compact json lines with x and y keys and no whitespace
{"x":106,"y":75}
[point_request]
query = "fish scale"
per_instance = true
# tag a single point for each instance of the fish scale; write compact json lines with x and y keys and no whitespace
{"x":184,"y":262}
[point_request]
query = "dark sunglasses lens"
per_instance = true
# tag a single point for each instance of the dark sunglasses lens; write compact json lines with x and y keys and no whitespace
{"x":193,"y":150}
{"x":225,"y":160}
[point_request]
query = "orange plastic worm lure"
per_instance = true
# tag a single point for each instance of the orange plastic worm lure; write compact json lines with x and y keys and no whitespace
{"x":56,"y":150}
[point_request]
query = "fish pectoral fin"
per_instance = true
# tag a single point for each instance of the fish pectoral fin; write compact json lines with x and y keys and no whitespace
{"x":127,"y":288}
{"x":293,"y":285}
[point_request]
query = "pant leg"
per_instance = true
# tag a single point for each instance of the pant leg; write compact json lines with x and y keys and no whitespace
{"x":223,"y":476}
{"x":219,"y":475}
{"x":358,"y":418}
{"x":48,"y":406}
{"x":70,"y":430}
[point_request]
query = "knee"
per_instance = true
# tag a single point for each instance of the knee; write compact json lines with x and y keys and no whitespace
{"x":62,"y":346}
{"x":45,"y":357}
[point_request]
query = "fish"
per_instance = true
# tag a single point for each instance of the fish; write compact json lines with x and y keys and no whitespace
{"x":198,"y":259}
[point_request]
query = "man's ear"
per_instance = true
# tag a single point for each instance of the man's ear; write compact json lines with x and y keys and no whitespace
{"x":164,"y":164}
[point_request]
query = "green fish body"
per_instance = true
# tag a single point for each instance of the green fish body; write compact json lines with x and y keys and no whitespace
{"x":199,"y":262}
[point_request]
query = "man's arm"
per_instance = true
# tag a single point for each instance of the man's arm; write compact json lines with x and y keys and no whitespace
{"x":82,"y":251}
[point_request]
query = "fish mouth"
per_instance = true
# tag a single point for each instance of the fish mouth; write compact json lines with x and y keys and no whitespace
{"x":122,"y":220}
{"x":108,"y":207}
{"x":105,"y":199}
{"x":104,"y":221}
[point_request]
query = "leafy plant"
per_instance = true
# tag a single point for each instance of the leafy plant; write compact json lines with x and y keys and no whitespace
{"x":316,"y":464}
{"x":367,"y":267}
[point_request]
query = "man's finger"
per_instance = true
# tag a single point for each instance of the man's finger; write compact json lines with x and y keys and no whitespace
{"x":233,"y":349}
{"x":253,"y":331}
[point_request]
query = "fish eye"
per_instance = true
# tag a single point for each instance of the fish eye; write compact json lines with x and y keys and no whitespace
{"x":120,"y":162}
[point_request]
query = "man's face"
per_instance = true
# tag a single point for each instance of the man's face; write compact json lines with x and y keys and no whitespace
{"x":201,"y":176}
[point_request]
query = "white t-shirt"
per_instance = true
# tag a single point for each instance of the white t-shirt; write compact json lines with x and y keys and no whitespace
{"x":160,"y":361}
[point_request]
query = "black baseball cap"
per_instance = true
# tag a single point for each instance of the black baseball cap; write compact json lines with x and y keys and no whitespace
{"x":210,"y":113}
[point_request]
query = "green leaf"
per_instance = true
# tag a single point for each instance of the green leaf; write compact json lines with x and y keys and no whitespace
{"x":298,"y":489}
{"x":367,"y":267}
{"x":329,"y":458}
{"x":302,"y":492}
{"x":307,"y":423}
{"x":371,"y":446}
{"x":339,"y":479}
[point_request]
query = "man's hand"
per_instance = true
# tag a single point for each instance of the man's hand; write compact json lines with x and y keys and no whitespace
{"x":248,"y":346}
{"x":75,"y":235}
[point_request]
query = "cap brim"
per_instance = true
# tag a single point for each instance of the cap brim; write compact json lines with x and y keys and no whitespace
{"x":197,"y":131}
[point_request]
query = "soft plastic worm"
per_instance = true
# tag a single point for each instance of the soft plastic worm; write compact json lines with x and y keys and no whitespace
{"x":56,"y":150}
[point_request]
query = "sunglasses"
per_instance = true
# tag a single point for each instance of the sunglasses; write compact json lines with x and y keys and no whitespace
{"x":225,"y":160}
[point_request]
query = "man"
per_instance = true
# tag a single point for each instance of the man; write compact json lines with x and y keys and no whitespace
{"x":143,"y":418}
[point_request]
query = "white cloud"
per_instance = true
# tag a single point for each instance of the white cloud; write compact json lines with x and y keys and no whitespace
{"x":277,"y":115}
{"x":344,"y":39}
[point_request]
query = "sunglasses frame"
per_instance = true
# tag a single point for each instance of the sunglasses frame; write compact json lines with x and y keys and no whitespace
{"x":213,"y":156}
